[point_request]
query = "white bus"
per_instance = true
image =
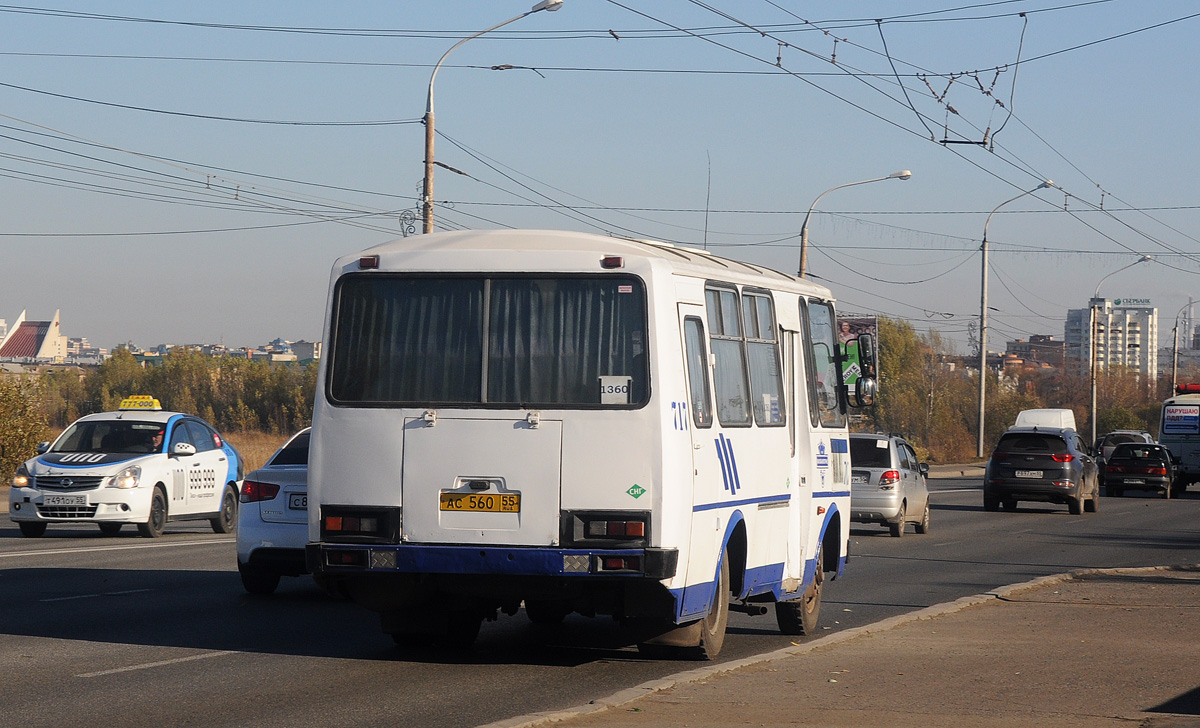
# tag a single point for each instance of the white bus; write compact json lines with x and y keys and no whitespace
{"x":1179,"y":432}
{"x":581,"y":424}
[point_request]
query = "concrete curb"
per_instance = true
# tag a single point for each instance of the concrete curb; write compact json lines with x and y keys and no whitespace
{"x":629,"y":695}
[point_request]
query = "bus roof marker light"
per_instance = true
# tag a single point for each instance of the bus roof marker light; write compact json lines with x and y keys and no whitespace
{"x":368,"y":262}
{"x":609,"y":262}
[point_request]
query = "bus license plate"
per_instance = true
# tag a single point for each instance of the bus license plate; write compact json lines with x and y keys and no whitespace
{"x":481,"y":502}
{"x":1028,"y":473}
{"x":64,"y":500}
{"x":298,"y":501}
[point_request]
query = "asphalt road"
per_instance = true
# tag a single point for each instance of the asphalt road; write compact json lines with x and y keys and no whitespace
{"x":130,"y":632}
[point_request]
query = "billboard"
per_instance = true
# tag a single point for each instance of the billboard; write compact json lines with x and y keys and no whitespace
{"x":849,"y":327}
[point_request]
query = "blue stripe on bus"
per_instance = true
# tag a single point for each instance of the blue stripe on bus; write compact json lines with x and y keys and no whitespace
{"x":832,"y":494}
{"x":744,"y":502}
{"x":729,"y":472}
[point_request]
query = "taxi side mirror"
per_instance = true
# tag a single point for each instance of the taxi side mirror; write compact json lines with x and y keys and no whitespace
{"x":42,"y":447}
{"x":183,"y":449}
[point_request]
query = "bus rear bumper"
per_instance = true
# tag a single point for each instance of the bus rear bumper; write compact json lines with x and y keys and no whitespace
{"x":345,"y":558}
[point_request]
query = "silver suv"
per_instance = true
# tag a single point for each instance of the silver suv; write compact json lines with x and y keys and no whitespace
{"x":887,"y":483}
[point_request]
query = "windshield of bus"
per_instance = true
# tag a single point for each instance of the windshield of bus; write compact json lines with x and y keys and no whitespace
{"x":549,"y":341}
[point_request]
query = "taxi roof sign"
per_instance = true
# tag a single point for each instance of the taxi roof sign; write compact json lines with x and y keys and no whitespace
{"x":140,"y":402}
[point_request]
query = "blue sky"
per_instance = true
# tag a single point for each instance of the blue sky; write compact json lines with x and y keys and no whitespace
{"x":187,"y":173}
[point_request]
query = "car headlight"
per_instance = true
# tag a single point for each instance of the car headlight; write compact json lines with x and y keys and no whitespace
{"x":127,"y":478}
{"x":22,"y":478}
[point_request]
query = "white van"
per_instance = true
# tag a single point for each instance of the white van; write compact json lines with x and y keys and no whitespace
{"x":1063,"y":418}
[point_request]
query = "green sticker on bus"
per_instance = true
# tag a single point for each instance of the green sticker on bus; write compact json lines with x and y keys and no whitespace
{"x":636,"y":491}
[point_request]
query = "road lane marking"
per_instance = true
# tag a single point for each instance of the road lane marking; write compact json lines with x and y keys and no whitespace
{"x":160,"y":663}
{"x":90,"y":596}
{"x":51,"y":552}
{"x":954,"y":490}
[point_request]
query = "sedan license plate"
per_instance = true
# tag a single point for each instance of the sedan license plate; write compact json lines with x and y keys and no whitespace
{"x":298,"y":501}
{"x":481,"y":502}
{"x":858,"y":479}
{"x":64,"y":500}
{"x":1028,"y":473}
{"x":1135,"y":481}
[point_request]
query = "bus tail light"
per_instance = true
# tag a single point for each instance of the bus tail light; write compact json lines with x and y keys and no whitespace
{"x":605,"y":529}
{"x":621,"y":563}
{"x":617,"y":529}
{"x":254,"y":491}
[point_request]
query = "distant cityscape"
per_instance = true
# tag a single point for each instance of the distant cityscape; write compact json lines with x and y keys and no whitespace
{"x":27,"y":342}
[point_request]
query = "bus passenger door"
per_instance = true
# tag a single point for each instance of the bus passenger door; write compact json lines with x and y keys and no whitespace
{"x":800,"y":481}
{"x":697,"y":415}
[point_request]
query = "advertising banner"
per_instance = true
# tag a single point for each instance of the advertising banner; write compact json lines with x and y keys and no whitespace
{"x":849,"y":327}
{"x":1181,"y":419}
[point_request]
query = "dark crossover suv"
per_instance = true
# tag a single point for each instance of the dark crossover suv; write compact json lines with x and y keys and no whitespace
{"x":1047,"y":464}
{"x":1139,"y":466}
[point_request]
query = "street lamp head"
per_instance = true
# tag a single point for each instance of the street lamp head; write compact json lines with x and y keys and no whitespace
{"x":550,"y":5}
{"x":902,"y":174}
{"x":1046,"y":185}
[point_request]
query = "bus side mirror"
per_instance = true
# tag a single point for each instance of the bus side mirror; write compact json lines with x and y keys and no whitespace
{"x":865,"y":389}
{"x":866,"y":386}
{"x":866,"y":355}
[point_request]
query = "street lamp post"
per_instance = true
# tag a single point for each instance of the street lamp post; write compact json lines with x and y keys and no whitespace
{"x":983,"y":286}
{"x":1092,"y":336}
{"x":427,"y":188}
{"x":1175,"y":346}
{"x":903,"y":174}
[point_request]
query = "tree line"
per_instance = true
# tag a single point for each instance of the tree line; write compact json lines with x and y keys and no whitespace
{"x":932,"y":404}
{"x":235,"y":395}
{"x":936,"y":406}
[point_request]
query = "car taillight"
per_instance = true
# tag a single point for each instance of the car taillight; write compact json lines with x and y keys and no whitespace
{"x":889,"y":477}
{"x":1114,"y":468}
{"x":1156,"y":471}
{"x":254,"y":491}
{"x":1063,"y":457}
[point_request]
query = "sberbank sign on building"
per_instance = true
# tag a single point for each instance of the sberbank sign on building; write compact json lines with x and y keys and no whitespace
{"x":1131,"y":301}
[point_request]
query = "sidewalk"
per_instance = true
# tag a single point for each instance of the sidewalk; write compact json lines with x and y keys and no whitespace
{"x":1097,"y":648}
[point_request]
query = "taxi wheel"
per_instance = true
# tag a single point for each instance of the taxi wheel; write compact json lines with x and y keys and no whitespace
{"x":32,"y":529}
{"x":226,"y":520}
{"x":154,"y":525}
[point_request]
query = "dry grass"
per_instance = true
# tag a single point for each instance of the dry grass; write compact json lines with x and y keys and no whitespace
{"x":255,"y":446}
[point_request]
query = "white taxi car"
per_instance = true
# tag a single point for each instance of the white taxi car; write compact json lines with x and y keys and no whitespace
{"x":137,"y":465}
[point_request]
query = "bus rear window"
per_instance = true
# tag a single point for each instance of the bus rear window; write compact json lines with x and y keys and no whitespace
{"x":519,"y":341}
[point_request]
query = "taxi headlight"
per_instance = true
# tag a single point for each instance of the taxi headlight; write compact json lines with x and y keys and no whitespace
{"x":22,"y":479}
{"x":127,"y":478}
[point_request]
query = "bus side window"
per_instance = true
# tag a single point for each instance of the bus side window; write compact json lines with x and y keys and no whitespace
{"x":762,"y":351}
{"x":699,"y":393}
{"x":725,"y":338}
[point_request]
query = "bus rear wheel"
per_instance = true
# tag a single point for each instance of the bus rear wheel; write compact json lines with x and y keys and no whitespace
{"x":799,"y":616}
{"x":712,"y":627}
